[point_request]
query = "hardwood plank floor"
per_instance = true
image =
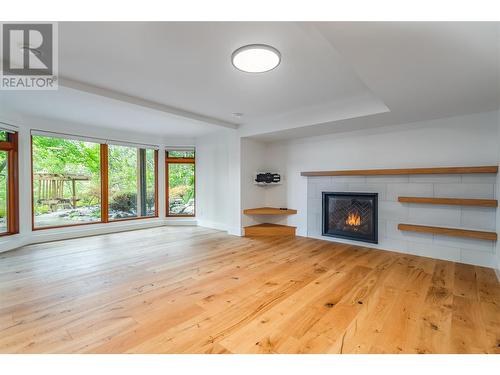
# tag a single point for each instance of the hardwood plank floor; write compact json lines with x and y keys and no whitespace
{"x":196,"y":290}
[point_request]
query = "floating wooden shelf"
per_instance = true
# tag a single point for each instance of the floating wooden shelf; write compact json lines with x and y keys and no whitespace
{"x":389,"y":172}
{"x":453,"y":232}
{"x":269,"y":211}
{"x":267,"y":229}
{"x":450,"y":201}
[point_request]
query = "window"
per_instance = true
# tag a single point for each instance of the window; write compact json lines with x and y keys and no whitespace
{"x":79,"y":181}
{"x":181,"y":154}
{"x":66,"y":182}
{"x":131,"y":182}
{"x":4,"y":191}
{"x":9,"y":206}
{"x":3,"y":136}
{"x":180,"y":172}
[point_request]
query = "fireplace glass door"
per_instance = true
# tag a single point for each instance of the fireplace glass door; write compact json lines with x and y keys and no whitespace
{"x":350,"y":215}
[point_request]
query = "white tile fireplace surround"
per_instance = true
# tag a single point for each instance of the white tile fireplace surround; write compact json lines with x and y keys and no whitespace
{"x":391,"y":213}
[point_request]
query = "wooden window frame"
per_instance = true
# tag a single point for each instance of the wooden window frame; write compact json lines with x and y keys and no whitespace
{"x":156,"y":215}
{"x":104,"y":193}
{"x":11,"y":147}
{"x":168,"y":161}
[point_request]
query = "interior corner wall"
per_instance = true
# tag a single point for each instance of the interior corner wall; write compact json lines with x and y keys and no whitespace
{"x":458,"y":141}
{"x":498,"y":175}
{"x":218,"y":181}
{"x":497,"y":197}
{"x":234,"y":193}
{"x":253,"y":159}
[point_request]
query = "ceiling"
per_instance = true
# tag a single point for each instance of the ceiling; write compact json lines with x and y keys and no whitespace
{"x":176,"y":78}
{"x":81,"y":107}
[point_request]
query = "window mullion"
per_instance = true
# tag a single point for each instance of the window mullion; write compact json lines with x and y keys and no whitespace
{"x":13,"y":186}
{"x":104,"y":184}
{"x":157,"y":209}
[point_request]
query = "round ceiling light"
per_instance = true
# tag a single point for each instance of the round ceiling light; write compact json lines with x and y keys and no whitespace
{"x":256,"y":58}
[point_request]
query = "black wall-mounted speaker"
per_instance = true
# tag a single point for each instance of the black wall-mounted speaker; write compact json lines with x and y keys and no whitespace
{"x":268,"y":178}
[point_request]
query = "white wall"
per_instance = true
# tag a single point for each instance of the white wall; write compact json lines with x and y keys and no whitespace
{"x":218,"y":181}
{"x":498,"y":195}
{"x":459,"y":141}
{"x":234,"y":186}
{"x":212,"y":208}
{"x":226,"y":166}
{"x":253,"y":159}
{"x":498,"y":175}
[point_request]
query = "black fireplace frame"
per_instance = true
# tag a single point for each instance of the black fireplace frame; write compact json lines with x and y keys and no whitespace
{"x":324,"y":218}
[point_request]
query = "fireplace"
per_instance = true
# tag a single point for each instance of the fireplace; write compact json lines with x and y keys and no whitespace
{"x":350,"y":215}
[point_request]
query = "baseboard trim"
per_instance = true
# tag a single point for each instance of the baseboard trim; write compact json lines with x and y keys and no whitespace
{"x":19,"y":240}
{"x":91,"y":230}
{"x":181,"y":221}
{"x":395,"y":250}
{"x":212,"y":225}
{"x":9,"y":243}
{"x":235,"y":231}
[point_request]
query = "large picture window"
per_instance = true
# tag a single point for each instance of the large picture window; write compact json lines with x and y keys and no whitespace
{"x":131,"y":182}
{"x":9,"y":197}
{"x":84,"y":181}
{"x":66,"y":182}
{"x":180,"y":178}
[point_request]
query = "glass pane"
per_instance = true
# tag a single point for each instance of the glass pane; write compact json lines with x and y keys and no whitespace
{"x":150,"y":183}
{"x":66,"y":182}
{"x":3,"y":136}
{"x":180,"y":189}
{"x":131,"y":182}
{"x":181,"y":154}
{"x":3,"y":191}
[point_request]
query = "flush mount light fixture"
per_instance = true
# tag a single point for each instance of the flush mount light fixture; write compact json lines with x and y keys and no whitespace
{"x":256,"y":58}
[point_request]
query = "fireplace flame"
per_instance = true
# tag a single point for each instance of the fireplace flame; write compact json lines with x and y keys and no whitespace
{"x":353,"y":219}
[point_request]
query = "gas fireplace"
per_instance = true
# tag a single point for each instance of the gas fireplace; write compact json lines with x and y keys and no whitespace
{"x":350,"y":215}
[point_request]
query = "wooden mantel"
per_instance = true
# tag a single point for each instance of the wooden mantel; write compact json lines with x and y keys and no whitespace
{"x":405,"y":171}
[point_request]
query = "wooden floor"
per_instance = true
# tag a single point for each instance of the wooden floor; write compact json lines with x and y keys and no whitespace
{"x":194,"y":290}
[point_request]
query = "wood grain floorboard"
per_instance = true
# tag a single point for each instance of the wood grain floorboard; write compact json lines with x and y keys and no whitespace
{"x":197,"y":290}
